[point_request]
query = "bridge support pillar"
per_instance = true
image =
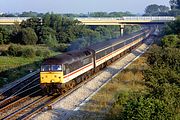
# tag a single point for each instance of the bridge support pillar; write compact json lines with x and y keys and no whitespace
{"x":121,"y":30}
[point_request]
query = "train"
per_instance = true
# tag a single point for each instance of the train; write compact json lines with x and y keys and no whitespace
{"x":63,"y":72}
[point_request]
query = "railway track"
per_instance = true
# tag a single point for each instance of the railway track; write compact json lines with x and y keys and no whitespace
{"x":23,"y":92}
{"x":34,"y":103}
{"x":22,"y":85}
{"x":19,"y":95}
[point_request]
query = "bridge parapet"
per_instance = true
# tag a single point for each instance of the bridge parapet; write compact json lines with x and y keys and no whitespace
{"x":102,"y":20}
{"x":163,"y":18}
{"x":168,"y":18}
{"x":126,"y":20}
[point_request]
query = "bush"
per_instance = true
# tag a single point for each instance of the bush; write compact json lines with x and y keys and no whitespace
{"x":61,"y":47}
{"x":143,"y":108}
{"x":28,"y":52}
{"x":170,"y":41}
{"x":15,"y":50}
{"x":43,"y":53}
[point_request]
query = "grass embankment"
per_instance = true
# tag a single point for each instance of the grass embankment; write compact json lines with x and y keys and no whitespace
{"x":9,"y":62}
{"x":13,"y":67}
{"x":130,"y":79}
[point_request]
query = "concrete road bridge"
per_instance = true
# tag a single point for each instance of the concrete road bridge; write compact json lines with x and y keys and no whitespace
{"x":128,"y":20}
{"x":120,"y":21}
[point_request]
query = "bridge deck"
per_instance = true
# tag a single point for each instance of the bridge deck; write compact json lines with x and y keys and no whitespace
{"x":102,"y":21}
{"x":126,"y":20}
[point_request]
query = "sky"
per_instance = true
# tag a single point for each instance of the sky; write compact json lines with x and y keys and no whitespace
{"x":77,"y":6}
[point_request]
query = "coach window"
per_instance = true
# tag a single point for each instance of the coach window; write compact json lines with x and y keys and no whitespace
{"x":67,"y":69}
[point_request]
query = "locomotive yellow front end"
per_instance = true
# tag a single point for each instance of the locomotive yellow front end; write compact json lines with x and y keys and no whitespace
{"x":51,"y":77}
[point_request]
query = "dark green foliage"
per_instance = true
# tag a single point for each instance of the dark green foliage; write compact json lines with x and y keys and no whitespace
{"x":1,"y":82}
{"x":5,"y":33}
{"x":173,"y":27}
{"x":33,"y":23}
{"x":1,"y":38}
{"x":28,"y":52}
{"x":29,"y":37}
{"x":61,"y":47}
{"x":51,"y":41}
{"x":174,"y":12}
{"x":155,"y":77}
{"x":104,"y":32}
{"x":171,"y":41}
{"x":29,"y":14}
{"x":131,"y":29}
{"x":167,"y":57}
{"x":43,"y":53}
{"x":143,"y":108}
{"x":15,"y":50}
{"x":44,"y":33}
{"x":111,"y":14}
{"x":155,"y":10}
{"x":175,"y":4}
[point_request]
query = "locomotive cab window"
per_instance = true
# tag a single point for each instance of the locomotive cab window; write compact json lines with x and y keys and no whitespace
{"x":51,"y":68}
{"x":45,"y":68}
{"x":56,"y":68}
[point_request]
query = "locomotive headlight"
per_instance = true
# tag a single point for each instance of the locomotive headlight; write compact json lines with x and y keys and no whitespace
{"x":52,"y":81}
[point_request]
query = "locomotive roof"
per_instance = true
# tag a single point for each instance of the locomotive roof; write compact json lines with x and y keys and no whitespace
{"x":105,"y":44}
{"x":67,"y":57}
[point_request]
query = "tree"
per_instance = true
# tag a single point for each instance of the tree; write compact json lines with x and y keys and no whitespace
{"x":33,"y":23}
{"x":29,"y":37}
{"x":175,"y":4}
{"x":152,"y":9}
{"x":5,"y":32}
{"x":104,"y":32}
{"x":173,"y":27}
{"x":45,"y":32}
{"x":99,"y":14}
{"x":50,"y":40}
{"x":156,"y":10}
{"x":29,"y":14}
{"x":163,"y":8}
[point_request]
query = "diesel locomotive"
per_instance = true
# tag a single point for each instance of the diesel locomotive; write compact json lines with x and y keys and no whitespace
{"x":64,"y":71}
